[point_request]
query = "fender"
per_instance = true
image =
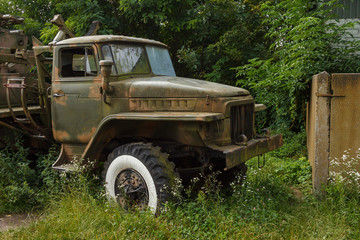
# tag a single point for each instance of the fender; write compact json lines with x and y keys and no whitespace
{"x":182,"y":127}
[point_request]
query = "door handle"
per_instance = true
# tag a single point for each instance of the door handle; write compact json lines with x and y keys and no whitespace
{"x":58,"y":95}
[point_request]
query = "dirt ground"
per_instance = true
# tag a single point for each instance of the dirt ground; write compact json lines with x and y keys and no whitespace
{"x":15,"y":220}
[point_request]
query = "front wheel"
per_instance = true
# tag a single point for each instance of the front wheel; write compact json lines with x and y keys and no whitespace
{"x":135,"y":175}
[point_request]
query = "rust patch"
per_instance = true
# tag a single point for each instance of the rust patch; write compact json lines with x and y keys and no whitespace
{"x":85,"y":137}
{"x":61,"y":100}
{"x":61,"y":136}
{"x":94,"y":92}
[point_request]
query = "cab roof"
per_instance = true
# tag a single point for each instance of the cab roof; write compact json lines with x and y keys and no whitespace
{"x":108,"y":38}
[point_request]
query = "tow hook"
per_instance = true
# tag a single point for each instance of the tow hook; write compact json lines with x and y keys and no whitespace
{"x":261,"y":164}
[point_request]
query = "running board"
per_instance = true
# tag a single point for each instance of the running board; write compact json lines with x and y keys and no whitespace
{"x":68,"y":153}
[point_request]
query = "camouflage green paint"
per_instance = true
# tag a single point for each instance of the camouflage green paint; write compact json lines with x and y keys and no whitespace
{"x":76,"y":104}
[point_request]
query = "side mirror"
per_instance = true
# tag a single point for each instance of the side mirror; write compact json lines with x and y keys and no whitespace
{"x":105,"y":67}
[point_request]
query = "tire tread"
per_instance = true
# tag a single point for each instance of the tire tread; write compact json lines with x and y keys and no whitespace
{"x":161,"y":170}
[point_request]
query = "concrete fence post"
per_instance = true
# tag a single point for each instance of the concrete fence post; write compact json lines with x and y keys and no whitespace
{"x":318,"y":129}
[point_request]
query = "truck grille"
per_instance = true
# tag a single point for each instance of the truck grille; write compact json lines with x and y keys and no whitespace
{"x":241,"y":122}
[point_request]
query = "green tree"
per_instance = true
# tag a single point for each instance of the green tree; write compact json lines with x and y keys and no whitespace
{"x":241,"y":38}
{"x":206,"y":38}
{"x":78,"y":14}
{"x":35,"y":12}
{"x":170,"y":21}
{"x":227,"y":34}
{"x":305,"y":40}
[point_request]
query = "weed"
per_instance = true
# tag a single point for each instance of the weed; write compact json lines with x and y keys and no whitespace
{"x":294,"y":146}
{"x":19,"y":182}
{"x":263,"y":206}
{"x":295,"y":171}
{"x":27,"y":184}
{"x":346,"y":171}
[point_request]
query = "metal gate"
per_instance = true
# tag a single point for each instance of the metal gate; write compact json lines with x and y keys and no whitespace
{"x":333,"y":123}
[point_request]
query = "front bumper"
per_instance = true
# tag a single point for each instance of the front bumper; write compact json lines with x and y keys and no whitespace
{"x":235,"y":154}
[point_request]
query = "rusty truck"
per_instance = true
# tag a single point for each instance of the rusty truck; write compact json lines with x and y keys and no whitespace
{"x":116,"y":101}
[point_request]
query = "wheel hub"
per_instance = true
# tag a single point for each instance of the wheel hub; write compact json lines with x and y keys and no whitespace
{"x":131,"y":190}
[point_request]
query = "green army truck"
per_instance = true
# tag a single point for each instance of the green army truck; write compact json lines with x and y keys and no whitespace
{"x":117,"y":102}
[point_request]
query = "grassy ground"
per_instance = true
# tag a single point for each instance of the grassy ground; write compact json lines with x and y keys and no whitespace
{"x":274,"y":202}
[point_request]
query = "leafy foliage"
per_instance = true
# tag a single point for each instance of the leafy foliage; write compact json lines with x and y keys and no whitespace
{"x":79,"y":15}
{"x":294,"y":146}
{"x":305,"y":40}
{"x":17,"y":179}
{"x":226,"y":35}
{"x":26,"y":182}
{"x":36,"y":13}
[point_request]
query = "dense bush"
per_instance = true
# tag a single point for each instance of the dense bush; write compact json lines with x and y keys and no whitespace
{"x":305,"y":40}
{"x":294,"y":145}
{"x":26,"y":183}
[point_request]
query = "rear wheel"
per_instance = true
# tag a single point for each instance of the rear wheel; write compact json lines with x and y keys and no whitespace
{"x":135,"y":175}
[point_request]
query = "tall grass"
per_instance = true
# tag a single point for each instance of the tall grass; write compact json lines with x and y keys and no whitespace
{"x":263,"y":207}
{"x":274,"y":202}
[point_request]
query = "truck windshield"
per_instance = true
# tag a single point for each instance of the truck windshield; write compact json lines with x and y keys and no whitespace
{"x":160,"y":61}
{"x":130,"y":59}
{"x":127,"y":59}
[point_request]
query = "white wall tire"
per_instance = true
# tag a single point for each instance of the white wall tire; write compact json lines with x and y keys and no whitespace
{"x":138,"y":172}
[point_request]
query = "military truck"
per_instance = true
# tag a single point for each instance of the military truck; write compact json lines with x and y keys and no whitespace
{"x":116,"y":101}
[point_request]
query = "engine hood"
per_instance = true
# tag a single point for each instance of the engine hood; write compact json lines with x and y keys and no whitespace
{"x":177,"y":87}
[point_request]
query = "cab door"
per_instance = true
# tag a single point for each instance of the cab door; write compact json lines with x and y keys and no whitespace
{"x":76,"y":98}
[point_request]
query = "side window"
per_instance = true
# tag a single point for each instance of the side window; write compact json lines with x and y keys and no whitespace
{"x":77,"y":62}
